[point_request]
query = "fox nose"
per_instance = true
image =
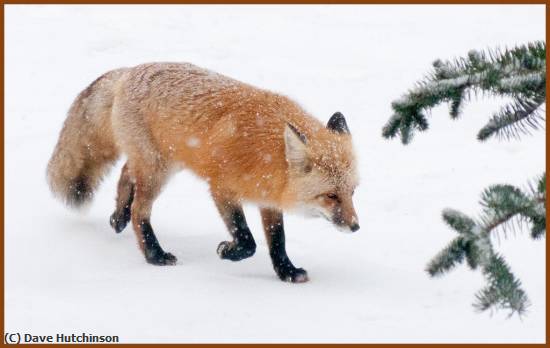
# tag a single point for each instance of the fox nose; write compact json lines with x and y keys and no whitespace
{"x":354,"y":227}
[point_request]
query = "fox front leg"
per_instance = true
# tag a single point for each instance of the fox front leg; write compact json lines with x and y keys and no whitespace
{"x":275,"y":235}
{"x":243,"y":245}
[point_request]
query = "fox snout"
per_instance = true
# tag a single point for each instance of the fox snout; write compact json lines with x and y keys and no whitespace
{"x":352,"y":226}
{"x":345,"y":217}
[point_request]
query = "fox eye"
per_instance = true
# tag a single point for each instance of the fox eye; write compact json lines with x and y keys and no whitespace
{"x":332,"y":196}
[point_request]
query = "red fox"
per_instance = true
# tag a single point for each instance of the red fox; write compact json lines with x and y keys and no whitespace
{"x":249,"y":144}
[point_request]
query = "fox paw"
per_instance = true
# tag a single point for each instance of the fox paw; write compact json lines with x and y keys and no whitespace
{"x":235,"y":251}
{"x":119,"y":221}
{"x":160,"y":258}
{"x":292,"y":274}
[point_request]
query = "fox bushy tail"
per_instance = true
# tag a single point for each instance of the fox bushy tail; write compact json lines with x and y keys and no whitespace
{"x":86,"y":148}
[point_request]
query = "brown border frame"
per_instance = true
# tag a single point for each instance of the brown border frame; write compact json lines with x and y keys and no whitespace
{"x":237,"y":2}
{"x":280,"y":2}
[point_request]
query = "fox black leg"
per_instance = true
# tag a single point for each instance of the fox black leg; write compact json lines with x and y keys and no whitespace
{"x":151,"y":247}
{"x":125,"y":196}
{"x":243,"y":245}
{"x":147,"y":187}
{"x":275,"y":235}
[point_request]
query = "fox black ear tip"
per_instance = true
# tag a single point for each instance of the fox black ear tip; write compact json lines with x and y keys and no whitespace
{"x":337,"y":117}
{"x":337,"y":123}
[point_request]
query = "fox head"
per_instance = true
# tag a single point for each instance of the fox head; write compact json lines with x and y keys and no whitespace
{"x":321,"y":172}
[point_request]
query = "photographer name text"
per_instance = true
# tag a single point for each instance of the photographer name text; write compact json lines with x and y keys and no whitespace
{"x":23,"y":338}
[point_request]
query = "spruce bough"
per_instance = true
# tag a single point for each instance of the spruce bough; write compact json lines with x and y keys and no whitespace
{"x":519,"y":74}
{"x":503,"y":205}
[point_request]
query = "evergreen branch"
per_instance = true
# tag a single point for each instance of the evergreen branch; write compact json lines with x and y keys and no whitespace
{"x":538,"y":214}
{"x":391,"y":129}
{"x":504,"y":289}
{"x":473,"y":254}
{"x":455,"y":108}
{"x":519,"y":73}
{"x":529,"y":85}
{"x":448,"y":258}
{"x":501,"y":205}
{"x":458,"y":221}
{"x":513,"y":119}
{"x":539,"y":227}
{"x":541,"y":185}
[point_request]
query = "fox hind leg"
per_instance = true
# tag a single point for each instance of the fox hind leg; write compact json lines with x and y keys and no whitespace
{"x":243,"y":245}
{"x":146,"y":189}
{"x":272,"y":221}
{"x":125,"y":196}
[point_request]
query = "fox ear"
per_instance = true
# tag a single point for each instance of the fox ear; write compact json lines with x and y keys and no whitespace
{"x":295,"y":147}
{"x":338,"y":123}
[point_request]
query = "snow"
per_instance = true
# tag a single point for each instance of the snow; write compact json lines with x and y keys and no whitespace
{"x":193,"y":142}
{"x":68,"y":272}
{"x":519,"y":81}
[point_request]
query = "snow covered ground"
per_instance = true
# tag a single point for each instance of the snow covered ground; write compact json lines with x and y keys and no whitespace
{"x":67,"y":272}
